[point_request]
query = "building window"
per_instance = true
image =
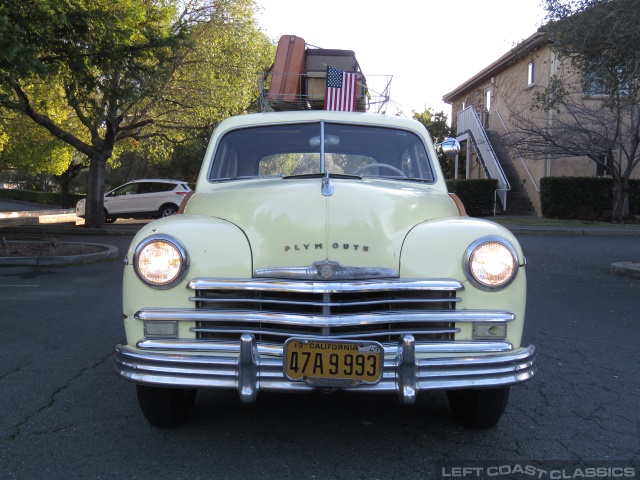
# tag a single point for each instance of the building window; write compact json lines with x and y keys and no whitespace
{"x":603,"y":82}
{"x":487,"y":106}
{"x":531,"y":73}
{"x":603,"y":161}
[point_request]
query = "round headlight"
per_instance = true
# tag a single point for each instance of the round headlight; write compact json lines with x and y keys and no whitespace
{"x":491,"y":263}
{"x":160,"y":261}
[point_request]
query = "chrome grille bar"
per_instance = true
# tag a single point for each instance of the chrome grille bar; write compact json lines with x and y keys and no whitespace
{"x":222,"y":301}
{"x":251,"y":316}
{"x":333,"y":336}
{"x":390,"y":348}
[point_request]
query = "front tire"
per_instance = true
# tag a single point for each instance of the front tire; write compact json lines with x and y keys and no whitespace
{"x":165,"y":407}
{"x":478,"y":408}
{"x":108,"y":219}
{"x":167,"y":210}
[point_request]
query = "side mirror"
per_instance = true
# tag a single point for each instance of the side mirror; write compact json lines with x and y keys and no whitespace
{"x":449,"y":146}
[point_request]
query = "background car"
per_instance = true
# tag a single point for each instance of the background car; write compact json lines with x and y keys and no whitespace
{"x":148,"y":198}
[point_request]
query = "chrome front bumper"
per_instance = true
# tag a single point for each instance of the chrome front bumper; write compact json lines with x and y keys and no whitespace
{"x":252,"y":367}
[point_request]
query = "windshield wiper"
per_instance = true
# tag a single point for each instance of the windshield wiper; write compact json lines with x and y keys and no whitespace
{"x":228,"y":179}
{"x":321,"y":175}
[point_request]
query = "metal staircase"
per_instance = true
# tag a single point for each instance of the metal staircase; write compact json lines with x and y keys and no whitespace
{"x":495,"y":164}
{"x":519,"y":201}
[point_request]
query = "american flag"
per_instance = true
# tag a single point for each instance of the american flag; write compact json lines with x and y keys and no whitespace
{"x":341,"y":90}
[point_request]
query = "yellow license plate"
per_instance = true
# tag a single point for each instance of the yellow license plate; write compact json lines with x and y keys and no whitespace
{"x":333,"y":363}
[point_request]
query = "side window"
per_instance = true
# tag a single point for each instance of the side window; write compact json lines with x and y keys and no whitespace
{"x":130,"y":189}
{"x":414,"y":162}
{"x":161,"y":187}
{"x":531,"y":73}
{"x":146,"y":187}
{"x":226,"y":164}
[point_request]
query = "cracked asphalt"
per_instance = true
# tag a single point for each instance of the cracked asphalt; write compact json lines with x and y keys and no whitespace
{"x":64,"y":414}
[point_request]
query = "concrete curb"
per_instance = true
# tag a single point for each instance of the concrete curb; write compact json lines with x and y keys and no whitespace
{"x":71,"y":230}
{"x":109,"y":252}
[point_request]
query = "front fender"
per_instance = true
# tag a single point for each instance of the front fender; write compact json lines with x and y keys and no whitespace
{"x":436,"y":249}
{"x":215,"y":248}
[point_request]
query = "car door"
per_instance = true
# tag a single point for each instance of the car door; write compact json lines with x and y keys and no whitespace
{"x":123,"y":199}
{"x":153,"y":195}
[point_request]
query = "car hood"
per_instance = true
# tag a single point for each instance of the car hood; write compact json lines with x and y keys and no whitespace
{"x":289,"y":222}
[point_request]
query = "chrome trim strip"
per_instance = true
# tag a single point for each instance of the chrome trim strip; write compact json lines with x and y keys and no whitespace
{"x":314,"y":272}
{"x":251,"y":316}
{"x":248,"y":372}
{"x":321,"y":287}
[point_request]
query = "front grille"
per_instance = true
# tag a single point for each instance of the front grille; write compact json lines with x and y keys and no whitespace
{"x":274,"y":310}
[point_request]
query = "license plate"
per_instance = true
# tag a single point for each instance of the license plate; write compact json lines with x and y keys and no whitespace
{"x":330,"y":363}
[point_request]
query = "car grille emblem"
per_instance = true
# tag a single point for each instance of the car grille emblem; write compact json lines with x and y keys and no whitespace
{"x":326,"y":269}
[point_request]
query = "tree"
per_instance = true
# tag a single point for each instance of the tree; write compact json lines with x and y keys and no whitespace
{"x":29,"y":150}
{"x":118,"y":65}
{"x":436,"y":125}
{"x":591,"y":107}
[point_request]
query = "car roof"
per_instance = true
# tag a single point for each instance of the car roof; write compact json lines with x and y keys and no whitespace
{"x":161,"y":180}
{"x":266,"y":118}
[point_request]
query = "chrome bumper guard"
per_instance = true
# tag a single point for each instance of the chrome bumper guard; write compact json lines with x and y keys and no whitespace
{"x":250,"y":367}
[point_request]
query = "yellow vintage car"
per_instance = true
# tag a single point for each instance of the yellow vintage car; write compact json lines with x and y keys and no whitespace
{"x":322,"y":251}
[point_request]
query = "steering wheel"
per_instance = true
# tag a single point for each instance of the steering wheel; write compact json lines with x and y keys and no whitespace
{"x":380,"y":165}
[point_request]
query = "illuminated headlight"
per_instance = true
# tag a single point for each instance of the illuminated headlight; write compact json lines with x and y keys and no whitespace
{"x":160,"y":261}
{"x":491,"y":263}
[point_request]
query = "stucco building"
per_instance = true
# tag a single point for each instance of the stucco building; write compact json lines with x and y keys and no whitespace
{"x":482,"y":116}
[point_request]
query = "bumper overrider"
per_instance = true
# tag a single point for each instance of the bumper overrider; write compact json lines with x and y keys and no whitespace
{"x":248,"y":366}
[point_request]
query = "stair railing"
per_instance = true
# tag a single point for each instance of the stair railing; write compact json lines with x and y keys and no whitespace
{"x":468,"y":121}
{"x":524,"y":163}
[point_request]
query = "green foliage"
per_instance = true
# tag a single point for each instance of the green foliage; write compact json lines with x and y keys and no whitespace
{"x":585,"y":198}
{"x":218,"y":76}
{"x":436,"y":125}
{"x":477,"y":195}
{"x":30,"y":149}
{"x":601,"y":38}
{"x":128,"y":70}
{"x":44,"y":198}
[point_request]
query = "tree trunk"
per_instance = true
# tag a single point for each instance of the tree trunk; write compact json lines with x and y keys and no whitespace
{"x":620,"y":201}
{"x":94,"y":208}
{"x":64,"y":188}
{"x":64,"y":180}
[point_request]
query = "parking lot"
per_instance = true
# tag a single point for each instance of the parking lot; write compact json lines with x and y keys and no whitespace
{"x":66,"y":415}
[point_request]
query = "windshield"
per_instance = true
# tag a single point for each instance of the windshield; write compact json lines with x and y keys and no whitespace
{"x":297,"y":149}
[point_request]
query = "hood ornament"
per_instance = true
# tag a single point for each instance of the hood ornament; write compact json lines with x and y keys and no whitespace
{"x":327,"y":185}
{"x":326,"y":269}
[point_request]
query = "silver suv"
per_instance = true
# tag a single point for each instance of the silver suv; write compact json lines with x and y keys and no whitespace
{"x":149,"y":198}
